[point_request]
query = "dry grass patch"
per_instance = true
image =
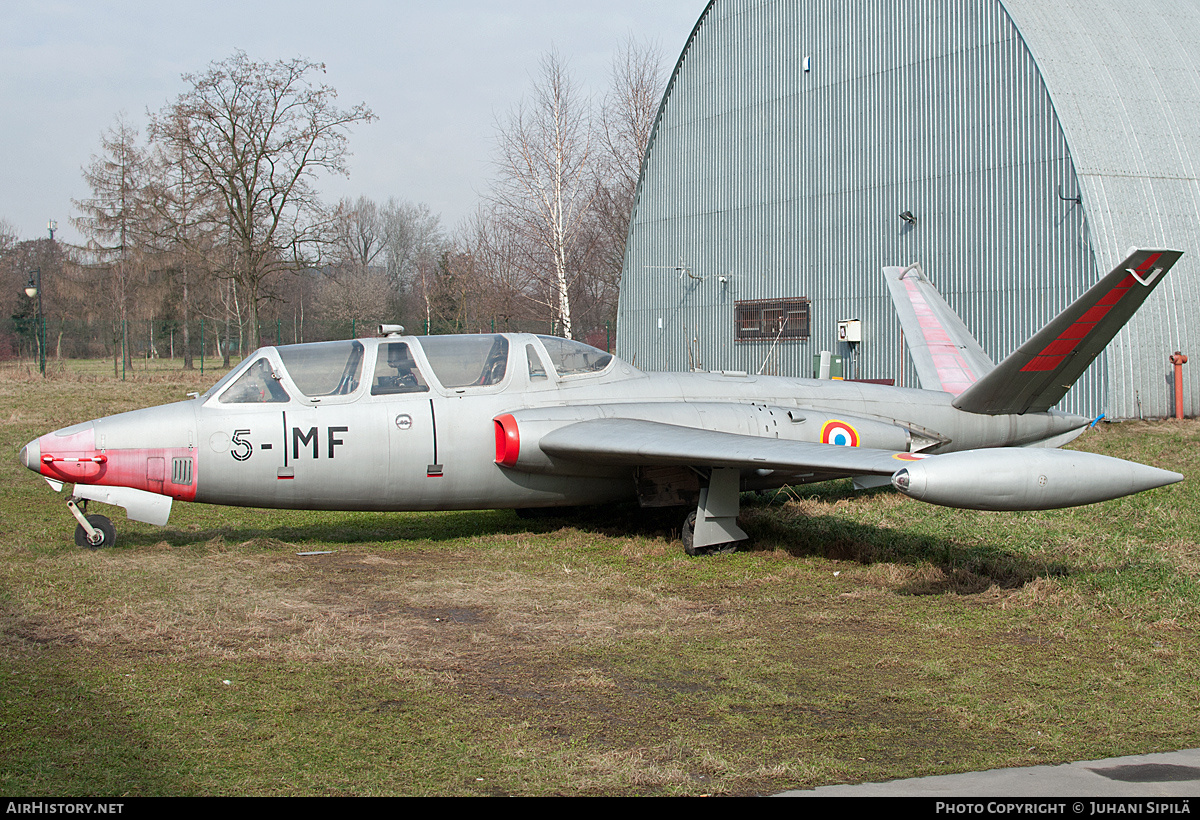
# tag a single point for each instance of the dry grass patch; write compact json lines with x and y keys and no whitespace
{"x":1043,"y":592}
{"x":671,"y":767}
{"x":861,"y":637}
{"x":431,"y":608}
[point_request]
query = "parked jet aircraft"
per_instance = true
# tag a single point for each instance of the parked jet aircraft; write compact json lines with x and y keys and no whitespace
{"x":524,"y":421}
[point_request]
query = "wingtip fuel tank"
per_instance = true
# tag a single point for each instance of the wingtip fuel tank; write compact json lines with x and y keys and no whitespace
{"x":1021,"y":478}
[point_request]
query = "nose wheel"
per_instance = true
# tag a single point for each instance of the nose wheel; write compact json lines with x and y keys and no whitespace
{"x":94,"y":531}
{"x":105,"y":534}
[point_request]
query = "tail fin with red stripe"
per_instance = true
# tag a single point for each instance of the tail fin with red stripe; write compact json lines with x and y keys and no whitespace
{"x":1040,"y":372}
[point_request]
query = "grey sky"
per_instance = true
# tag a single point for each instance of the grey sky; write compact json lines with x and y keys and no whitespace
{"x":436,"y":74}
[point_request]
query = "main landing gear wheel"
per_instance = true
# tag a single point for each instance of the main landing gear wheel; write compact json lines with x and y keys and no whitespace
{"x":106,"y":532}
{"x":688,"y":535}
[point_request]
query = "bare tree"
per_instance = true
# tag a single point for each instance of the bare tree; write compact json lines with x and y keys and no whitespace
{"x":544,"y":187}
{"x":18,"y":260}
{"x":182,"y":225}
{"x":362,"y":230}
{"x":391,"y":247}
{"x":627,"y":117}
{"x":415,"y":243}
{"x":220,"y":306}
{"x":353,"y":294}
{"x":12,"y":284}
{"x":257,"y":134}
{"x":498,"y":263}
{"x":355,"y":286}
{"x":111,"y":217}
{"x":8,"y":235}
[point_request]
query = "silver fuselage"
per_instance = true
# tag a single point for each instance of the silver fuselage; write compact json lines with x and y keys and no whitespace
{"x":440,"y":448}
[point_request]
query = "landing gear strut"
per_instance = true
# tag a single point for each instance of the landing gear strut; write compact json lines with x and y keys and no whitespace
{"x":712,"y":526}
{"x":688,"y":536}
{"x":94,"y":531}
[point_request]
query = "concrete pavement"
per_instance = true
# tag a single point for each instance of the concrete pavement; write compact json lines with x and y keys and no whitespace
{"x":1165,"y":774}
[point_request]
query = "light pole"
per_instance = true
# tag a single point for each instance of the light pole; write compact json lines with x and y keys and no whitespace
{"x":32,"y":290}
{"x":51,"y":225}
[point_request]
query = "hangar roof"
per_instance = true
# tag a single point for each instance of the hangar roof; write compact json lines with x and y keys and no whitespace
{"x":971,"y":115}
{"x":1125,"y":82}
{"x":1124,"y":79}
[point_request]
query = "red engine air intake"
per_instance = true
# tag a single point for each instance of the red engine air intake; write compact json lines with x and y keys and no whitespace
{"x":508,"y":440}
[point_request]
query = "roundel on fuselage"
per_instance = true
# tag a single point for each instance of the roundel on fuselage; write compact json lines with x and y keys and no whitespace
{"x":839,"y":432}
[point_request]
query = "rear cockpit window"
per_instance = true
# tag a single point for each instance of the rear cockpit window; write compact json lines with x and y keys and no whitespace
{"x":324,"y":368}
{"x":537,"y":372}
{"x":467,"y":361}
{"x":396,"y":372}
{"x":571,"y":358}
{"x":258,"y":383}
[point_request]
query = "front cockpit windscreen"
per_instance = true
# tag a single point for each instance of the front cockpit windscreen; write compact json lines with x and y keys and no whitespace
{"x":571,"y":358}
{"x":324,"y":368}
{"x":467,"y":361}
{"x":257,"y":383}
{"x":396,"y":372}
{"x":221,"y":382}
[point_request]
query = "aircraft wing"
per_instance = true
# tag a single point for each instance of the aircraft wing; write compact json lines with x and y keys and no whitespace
{"x":1002,"y":478}
{"x":640,"y":443}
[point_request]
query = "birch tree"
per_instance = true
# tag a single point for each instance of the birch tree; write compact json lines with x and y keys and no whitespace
{"x":544,"y":187}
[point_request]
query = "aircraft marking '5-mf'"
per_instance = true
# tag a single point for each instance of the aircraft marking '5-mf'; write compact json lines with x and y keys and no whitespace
{"x":521,"y":421}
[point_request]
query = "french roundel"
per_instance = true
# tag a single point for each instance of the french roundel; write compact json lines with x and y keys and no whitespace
{"x":840,"y":433}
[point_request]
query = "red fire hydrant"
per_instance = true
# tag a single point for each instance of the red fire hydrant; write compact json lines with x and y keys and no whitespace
{"x":1179,"y":360}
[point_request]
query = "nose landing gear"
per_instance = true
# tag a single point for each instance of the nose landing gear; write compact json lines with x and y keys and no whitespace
{"x":94,"y":531}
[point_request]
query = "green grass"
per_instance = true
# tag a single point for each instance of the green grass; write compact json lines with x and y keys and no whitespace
{"x":863,"y":636}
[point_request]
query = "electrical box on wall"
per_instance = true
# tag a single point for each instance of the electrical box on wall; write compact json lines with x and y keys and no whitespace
{"x":835,"y":366}
{"x":849,"y":330}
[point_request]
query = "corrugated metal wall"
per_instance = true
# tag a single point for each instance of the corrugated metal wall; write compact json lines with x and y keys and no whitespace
{"x":766,"y":179}
{"x":1125,"y":81}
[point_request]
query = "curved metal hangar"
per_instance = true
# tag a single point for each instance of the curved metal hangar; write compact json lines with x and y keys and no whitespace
{"x":1013,"y":148}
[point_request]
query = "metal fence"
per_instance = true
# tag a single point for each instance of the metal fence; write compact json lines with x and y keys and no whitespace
{"x":213,"y":343}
